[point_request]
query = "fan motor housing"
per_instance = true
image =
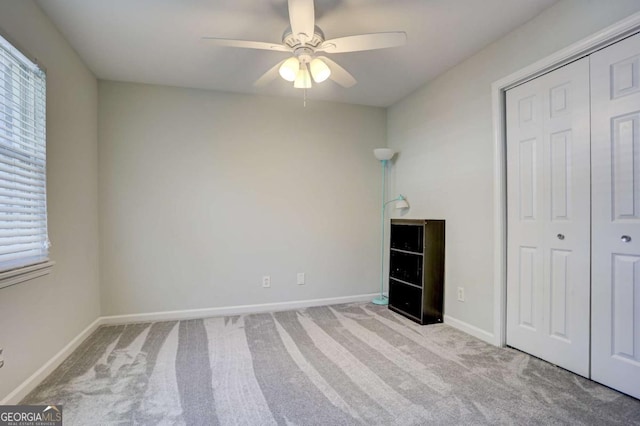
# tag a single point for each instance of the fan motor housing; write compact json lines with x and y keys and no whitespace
{"x":289,"y":39}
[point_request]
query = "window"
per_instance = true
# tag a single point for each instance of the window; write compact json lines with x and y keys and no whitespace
{"x":23,"y":200}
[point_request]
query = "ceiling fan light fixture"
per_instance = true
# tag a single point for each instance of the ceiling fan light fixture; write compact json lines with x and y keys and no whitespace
{"x":319,"y":70}
{"x":289,"y":69}
{"x":303,"y":79}
{"x":303,"y":40}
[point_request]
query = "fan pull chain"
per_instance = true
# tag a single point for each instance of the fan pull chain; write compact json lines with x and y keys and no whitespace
{"x":304,"y":103}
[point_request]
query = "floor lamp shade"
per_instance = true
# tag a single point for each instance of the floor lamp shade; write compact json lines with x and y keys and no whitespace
{"x":384,"y":154}
{"x":402,"y":204}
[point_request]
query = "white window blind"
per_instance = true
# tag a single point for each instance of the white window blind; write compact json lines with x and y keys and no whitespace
{"x":23,"y":202}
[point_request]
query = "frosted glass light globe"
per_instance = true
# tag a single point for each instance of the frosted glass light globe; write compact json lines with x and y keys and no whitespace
{"x":289,"y":69}
{"x":303,"y":79}
{"x":319,"y":70}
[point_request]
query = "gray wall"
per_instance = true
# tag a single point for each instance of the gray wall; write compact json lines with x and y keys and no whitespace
{"x":202,"y":193}
{"x":444,"y":133}
{"x":39,"y":317}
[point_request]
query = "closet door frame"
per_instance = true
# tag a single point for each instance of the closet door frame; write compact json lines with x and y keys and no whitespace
{"x":597,"y":41}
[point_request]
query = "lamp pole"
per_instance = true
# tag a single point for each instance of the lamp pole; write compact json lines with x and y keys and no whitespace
{"x":382,"y":300}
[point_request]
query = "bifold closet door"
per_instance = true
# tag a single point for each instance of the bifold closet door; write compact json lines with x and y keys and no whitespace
{"x":548,"y":219}
{"x":615,"y":314}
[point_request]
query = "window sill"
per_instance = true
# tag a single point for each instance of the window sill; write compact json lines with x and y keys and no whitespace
{"x":26,"y":273}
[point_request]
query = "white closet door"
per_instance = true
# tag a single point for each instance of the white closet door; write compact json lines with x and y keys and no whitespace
{"x":548,"y":190}
{"x":615,"y":318}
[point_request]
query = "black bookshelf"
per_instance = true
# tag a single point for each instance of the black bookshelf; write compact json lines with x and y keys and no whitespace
{"x":416,"y":269}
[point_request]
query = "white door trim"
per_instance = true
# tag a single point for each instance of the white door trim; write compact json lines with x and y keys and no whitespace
{"x":603,"y":38}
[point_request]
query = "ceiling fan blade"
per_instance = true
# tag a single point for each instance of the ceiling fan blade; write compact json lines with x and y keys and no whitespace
{"x":302,"y":19}
{"x":246,"y":44}
{"x":339,"y":74}
{"x":268,"y":76}
{"x":361,"y":42}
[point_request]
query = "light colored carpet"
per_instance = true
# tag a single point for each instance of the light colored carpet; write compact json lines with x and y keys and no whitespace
{"x":339,"y":365}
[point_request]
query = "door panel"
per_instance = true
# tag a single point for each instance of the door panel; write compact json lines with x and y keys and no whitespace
{"x":548,"y":190}
{"x":528,"y":179}
{"x":526,"y":297}
{"x":560,"y":170}
{"x":625,"y":286}
{"x":615,"y":319}
{"x":559,"y":285}
{"x":624,"y":156}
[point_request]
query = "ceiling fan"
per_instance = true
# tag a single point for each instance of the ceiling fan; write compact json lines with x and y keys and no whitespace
{"x":305,"y":41}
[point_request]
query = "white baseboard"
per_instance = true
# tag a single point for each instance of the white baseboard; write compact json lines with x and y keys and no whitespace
{"x":36,"y":378}
{"x":232,"y":310}
{"x":471,"y":329}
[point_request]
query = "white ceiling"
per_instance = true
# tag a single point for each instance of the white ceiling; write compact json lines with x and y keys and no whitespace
{"x":158,"y":42}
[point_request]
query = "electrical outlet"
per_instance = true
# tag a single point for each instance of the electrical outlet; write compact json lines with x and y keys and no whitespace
{"x":1,"y":358}
{"x":460,"y":294}
{"x":300,"y":280}
{"x":266,"y":281}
